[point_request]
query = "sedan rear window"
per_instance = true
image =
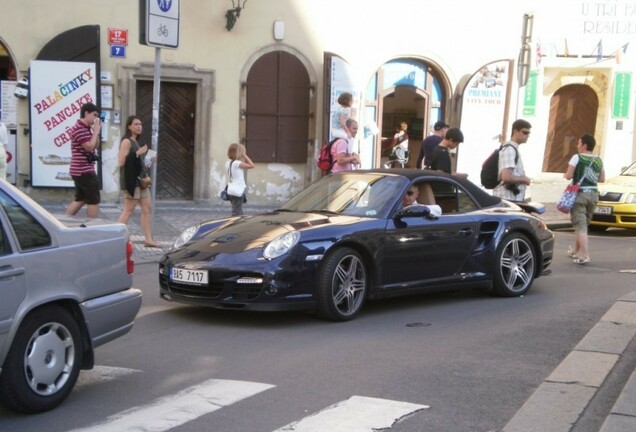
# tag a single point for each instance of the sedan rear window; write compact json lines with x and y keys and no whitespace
{"x":27,"y":229}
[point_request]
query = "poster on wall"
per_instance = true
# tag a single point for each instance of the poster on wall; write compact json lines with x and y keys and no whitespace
{"x":483,"y":116}
{"x":8,"y":103}
{"x":57,"y":92}
{"x":342,"y":81}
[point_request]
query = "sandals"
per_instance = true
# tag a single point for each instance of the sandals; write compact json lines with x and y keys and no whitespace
{"x":576,"y":258}
{"x":581,"y":260}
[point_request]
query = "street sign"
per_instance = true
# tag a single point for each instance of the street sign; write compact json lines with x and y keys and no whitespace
{"x":117,"y":36}
{"x":118,"y":51}
{"x":622,"y":91}
{"x":159,"y":23}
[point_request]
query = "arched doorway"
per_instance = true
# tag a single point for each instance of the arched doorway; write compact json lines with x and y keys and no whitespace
{"x":573,"y":111}
{"x":9,"y":109}
{"x":407,"y":90}
{"x":406,"y":104}
{"x":7,"y":65}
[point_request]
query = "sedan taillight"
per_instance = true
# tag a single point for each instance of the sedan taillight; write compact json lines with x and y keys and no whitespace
{"x":130,"y":263}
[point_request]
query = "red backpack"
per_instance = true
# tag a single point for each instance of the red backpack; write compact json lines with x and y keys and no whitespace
{"x":325,"y":159}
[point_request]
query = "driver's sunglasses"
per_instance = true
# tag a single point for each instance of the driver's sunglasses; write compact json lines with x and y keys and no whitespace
{"x":409,"y":193}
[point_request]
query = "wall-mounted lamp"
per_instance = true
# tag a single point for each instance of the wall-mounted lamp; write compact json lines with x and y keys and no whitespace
{"x":279,"y":30}
{"x":233,"y":14}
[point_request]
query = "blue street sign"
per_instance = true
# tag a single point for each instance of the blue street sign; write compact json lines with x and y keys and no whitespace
{"x":118,"y":51}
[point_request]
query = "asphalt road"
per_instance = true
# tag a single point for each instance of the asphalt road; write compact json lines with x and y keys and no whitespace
{"x":462,"y":361}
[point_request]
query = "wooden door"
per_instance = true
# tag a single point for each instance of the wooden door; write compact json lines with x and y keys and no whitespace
{"x":573,"y":111}
{"x":175,"y":165}
{"x":277,"y":114}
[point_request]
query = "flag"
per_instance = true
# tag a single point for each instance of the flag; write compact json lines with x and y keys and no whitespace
{"x":618,"y":55}
{"x":540,"y":54}
{"x":599,"y":50}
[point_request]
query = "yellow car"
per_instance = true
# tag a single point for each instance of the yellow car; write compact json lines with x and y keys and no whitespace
{"x":617,"y":202}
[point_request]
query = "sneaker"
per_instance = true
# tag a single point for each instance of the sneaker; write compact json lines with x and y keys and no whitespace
{"x":580,"y":260}
{"x":572,"y":253}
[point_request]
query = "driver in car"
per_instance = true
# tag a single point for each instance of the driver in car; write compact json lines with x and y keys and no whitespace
{"x":410,"y":197}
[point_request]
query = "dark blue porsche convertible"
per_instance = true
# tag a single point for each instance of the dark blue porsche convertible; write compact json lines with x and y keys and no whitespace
{"x":357,"y":236}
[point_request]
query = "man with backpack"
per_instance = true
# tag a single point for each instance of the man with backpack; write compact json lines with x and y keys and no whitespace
{"x":343,"y":160}
{"x":512,"y":176}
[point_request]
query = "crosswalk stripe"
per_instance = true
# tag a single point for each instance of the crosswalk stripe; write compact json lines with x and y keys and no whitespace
{"x":174,"y":410}
{"x":356,"y":414}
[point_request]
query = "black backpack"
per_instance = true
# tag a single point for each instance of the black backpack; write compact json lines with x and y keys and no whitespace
{"x":490,"y":167}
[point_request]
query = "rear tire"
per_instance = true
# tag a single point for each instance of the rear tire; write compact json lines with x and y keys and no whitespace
{"x":43,"y":363}
{"x":342,"y":287}
{"x":515,"y":266}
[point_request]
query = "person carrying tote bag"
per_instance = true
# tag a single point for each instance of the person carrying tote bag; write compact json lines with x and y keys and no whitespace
{"x":586,"y":170}
{"x":238,"y":162}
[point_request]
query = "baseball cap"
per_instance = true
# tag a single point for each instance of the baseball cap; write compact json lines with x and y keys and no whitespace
{"x":440,"y":125}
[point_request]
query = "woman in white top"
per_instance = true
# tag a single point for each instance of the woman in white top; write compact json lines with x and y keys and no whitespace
{"x":237,"y":163}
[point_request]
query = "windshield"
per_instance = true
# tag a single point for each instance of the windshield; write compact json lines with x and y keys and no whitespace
{"x":630,"y":170}
{"x":369,"y":195}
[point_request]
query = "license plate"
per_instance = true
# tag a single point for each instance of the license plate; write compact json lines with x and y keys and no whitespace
{"x":193,"y":277}
{"x":603,"y":210}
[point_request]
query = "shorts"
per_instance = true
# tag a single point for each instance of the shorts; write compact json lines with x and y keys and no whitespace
{"x":87,"y":189}
{"x":139,"y":193}
{"x":583,"y":209}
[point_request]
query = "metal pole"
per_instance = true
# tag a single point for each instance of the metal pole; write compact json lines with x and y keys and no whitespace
{"x":155,"y":130}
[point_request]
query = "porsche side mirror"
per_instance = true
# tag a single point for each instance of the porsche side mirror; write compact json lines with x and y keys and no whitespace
{"x":416,"y":210}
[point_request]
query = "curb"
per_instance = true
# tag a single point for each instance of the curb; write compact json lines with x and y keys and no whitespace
{"x":558,"y":403}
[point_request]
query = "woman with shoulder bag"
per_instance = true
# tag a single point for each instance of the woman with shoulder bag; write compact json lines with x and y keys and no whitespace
{"x":132,"y":171}
{"x":587,"y":169}
{"x":238,"y":162}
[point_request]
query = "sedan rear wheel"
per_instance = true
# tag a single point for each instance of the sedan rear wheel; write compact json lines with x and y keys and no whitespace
{"x":515,"y":266}
{"x":43,"y":363}
{"x":342,"y":286}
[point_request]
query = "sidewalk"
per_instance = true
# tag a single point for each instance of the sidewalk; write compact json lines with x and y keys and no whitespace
{"x":561,"y":401}
{"x":169,"y":221}
{"x":557,"y":404}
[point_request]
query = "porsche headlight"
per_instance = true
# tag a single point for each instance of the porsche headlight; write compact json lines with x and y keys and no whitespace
{"x":631,"y":199}
{"x":281,"y":245}
{"x":185,"y":236}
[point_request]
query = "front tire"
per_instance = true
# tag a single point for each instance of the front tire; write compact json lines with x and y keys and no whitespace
{"x":44,"y":361}
{"x":515,"y":266}
{"x":342,"y":287}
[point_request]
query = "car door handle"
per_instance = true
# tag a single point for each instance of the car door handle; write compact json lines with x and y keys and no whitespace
{"x":8,"y":272}
{"x":465,"y":232}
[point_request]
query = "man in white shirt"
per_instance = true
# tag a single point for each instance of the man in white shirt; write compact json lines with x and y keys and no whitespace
{"x":513,"y":180}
